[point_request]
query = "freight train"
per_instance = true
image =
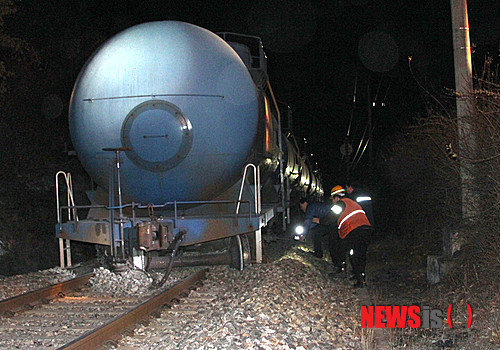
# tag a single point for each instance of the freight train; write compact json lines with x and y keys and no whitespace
{"x":179,"y":129}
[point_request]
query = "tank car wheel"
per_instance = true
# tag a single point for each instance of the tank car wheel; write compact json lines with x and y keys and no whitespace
{"x":239,"y":248}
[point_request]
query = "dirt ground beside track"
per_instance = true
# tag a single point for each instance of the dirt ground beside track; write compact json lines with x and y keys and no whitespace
{"x":396,"y":275}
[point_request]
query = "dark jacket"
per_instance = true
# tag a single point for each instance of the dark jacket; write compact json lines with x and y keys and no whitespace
{"x":321,"y":210}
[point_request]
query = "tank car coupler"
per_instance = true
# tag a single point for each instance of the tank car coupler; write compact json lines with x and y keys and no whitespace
{"x":154,"y":235}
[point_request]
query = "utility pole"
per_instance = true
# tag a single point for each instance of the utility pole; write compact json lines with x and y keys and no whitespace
{"x":436,"y":265}
{"x":464,"y":88}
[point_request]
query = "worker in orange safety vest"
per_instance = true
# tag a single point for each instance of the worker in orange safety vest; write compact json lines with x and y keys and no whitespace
{"x":354,"y":231}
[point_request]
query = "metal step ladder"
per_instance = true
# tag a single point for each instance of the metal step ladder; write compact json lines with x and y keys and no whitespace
{"x":65,"y":244}
{"x":257,"y":206}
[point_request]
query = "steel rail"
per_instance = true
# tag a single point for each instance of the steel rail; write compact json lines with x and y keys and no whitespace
{"x":18,"y":302}
{"x":113,"y":329}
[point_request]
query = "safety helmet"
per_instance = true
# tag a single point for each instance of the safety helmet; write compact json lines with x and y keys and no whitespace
{"x":337,"y":191}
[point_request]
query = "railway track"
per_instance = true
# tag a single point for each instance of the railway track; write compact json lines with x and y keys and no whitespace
{"x":67,"y":316}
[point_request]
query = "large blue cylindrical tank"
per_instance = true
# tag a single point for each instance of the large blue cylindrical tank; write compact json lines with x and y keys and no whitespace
{"x":180,"y":98}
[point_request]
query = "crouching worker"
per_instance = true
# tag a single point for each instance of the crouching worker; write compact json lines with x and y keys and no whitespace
{"x":354,"y":231}
{"x":317,"y":212}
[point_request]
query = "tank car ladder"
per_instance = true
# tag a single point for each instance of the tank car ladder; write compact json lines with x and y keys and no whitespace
{"x":257,"y":205}
{"x":64,"y":243}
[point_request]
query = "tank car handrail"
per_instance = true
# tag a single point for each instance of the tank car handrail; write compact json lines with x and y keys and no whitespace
{"x":261,"y":57}
{"x":175,"y":203}
{"x":70,"y":198}
{"x":65,"y":244}
{"x":75,"y":207}
{"x":142,"y":206}
{"x":256,"y":178}
{"x":134,"y":206}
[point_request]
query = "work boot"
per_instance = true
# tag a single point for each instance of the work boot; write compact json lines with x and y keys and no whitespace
{"x":360,"y":280}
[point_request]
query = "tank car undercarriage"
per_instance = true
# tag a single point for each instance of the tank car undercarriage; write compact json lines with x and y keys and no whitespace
{"x":164,"y":236}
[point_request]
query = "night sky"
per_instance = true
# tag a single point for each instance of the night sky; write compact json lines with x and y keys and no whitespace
{"x":320,"y":53}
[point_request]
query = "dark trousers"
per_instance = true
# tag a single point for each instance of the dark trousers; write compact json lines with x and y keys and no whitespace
{"x":337,"y":250}
{"x":320,"y":234}
{"x":355,"y":244}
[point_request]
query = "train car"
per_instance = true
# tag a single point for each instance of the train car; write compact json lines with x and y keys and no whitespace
{"x":180,"y":130}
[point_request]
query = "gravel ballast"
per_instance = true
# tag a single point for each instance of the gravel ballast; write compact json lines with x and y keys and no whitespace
{"x":288,"y":302}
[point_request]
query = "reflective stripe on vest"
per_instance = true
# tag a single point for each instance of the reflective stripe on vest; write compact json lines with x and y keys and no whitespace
{"x":349,"y":215}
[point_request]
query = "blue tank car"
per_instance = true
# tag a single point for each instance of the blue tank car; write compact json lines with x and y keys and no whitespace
{"x":180,"y":98}
{"x":186,"y":111}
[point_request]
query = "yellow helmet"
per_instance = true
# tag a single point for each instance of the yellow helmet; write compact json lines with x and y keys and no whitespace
{"x":337,"y":191}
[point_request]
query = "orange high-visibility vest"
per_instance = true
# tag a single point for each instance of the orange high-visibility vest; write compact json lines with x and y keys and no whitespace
{"x":352,"y":217}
